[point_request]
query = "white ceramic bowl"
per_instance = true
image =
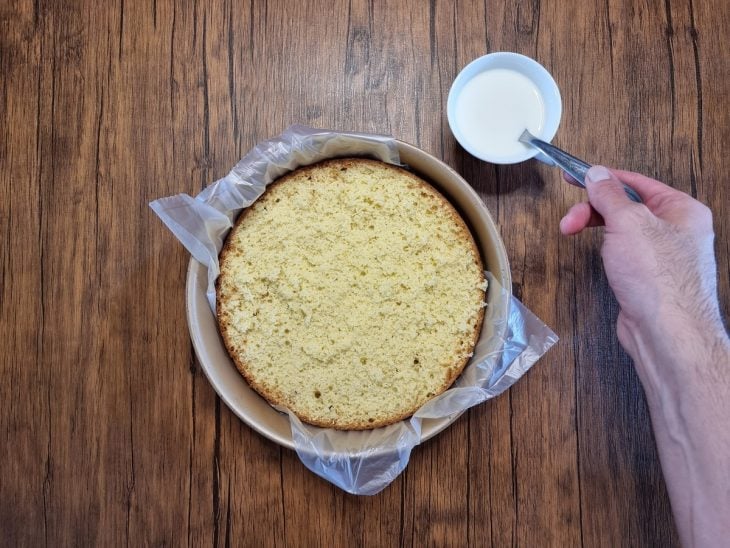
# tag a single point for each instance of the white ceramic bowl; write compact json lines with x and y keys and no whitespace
{"x":525,"y":66}
{"x":252,"y":408}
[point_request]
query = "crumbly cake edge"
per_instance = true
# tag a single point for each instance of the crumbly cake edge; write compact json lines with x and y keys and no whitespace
{"x":276,"y":397}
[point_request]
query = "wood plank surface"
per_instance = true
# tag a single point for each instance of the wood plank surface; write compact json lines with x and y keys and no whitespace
{"x":109,"y":431}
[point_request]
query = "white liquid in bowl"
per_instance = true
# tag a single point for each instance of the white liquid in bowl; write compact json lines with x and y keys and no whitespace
{"x":494,"y":108}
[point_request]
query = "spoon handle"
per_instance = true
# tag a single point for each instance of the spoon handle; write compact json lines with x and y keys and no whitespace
{"x":575,"y":167}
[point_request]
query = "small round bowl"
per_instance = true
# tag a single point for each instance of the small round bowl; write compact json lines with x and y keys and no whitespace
{"x":525,"y":66}
{"x":252,"y":408}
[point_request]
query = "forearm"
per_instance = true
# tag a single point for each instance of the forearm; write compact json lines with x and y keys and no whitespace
{"x":659,"y":259}
{"x":687,"y":387}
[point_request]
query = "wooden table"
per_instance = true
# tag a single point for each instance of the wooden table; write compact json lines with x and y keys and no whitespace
{"x":109,"y":430}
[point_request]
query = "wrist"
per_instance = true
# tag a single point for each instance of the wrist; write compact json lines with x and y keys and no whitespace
{"x":675,"y":353}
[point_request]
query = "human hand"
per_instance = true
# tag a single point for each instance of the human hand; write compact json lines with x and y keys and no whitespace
{"x":660,"y":263}
{"x":658,"y":258}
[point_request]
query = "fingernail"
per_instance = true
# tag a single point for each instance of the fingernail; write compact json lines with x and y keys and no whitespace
{"x":598,"y":173}
{"x":563,"y":226}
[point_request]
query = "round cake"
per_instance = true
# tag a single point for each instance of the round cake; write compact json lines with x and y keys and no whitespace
{"x":351,"y":292}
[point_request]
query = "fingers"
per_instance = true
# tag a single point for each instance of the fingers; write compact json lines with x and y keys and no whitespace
{"x":645,"y":186}
{"x":606,"y":192}
{"x":578,"y":217}
{"x":570,"y":180}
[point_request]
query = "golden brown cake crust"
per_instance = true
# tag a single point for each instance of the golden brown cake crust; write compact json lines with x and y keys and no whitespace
{"x":276,"y":397}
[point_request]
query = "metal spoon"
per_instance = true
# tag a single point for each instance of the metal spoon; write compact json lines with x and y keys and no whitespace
{"x":573,"y":166}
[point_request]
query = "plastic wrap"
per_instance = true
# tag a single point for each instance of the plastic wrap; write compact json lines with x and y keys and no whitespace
{"x":201,"y":223}
{"x":362,"y":462}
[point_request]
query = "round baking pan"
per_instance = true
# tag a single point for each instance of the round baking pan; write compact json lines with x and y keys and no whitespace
{"x":252,"y":408}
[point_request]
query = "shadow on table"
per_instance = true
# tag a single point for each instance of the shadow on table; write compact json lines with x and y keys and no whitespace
{"x":495,"y":180}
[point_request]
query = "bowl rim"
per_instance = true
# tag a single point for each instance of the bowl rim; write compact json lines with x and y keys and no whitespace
{"x":528,"y":67}
{"x":217,"y":368}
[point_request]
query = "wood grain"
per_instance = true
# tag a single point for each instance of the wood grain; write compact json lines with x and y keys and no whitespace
{"x":111,"y":434}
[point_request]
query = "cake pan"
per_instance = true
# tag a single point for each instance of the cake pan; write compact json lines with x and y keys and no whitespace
{"x":252,"y":408}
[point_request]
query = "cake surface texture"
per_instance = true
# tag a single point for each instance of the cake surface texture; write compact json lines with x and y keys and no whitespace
{"x":351,"y":292}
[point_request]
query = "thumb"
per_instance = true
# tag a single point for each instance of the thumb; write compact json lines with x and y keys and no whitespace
{"x":605,"y":192}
